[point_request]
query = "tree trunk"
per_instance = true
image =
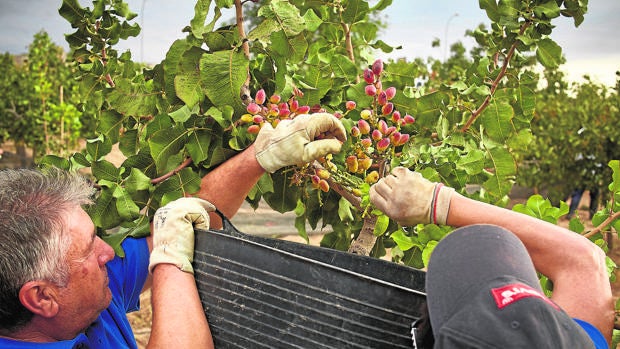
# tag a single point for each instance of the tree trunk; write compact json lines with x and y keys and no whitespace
{"x":366,"y":239}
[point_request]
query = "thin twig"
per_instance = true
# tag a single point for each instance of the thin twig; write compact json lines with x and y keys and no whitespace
{"x":183,"y":165}
{"x":495,"y":84}
{"x":602,"y":225}
{"x":340,"y":189}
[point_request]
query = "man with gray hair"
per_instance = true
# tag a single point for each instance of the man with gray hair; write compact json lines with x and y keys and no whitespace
{"x":61,"y":286}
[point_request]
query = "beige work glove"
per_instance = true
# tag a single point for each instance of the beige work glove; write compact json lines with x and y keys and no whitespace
{"x":410,"y":199}
{"x":173,"y":232}
{"x":294,"y":142}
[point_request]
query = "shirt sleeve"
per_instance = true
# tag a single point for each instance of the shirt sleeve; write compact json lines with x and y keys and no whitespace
{"x":597,"y":337}
{"x":128,"y":274}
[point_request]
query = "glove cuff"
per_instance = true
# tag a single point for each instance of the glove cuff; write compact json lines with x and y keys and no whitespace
{"x":440,"y":205}
{"x":167,"y":254}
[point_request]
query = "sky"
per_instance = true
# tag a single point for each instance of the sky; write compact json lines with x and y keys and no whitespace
{"x":593,"y":48}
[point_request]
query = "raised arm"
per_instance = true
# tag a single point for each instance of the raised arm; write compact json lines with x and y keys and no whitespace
{"x":301,"y":140}
{"x":574,"y":264}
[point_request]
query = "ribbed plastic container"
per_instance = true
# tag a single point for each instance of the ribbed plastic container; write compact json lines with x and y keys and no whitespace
{"x":267,"y":293}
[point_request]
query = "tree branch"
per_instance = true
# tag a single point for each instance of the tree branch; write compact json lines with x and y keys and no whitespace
{"x":602,"y":225}
{"x":244,"y":93}
{"x":183,"y":165}
{"x":366,"y":239}
{"x":476,"y":113}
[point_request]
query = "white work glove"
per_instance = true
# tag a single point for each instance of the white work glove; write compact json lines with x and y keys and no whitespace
{"x":173,"y":232}
{"x":294,"y":142}
{"x":410,"y":199}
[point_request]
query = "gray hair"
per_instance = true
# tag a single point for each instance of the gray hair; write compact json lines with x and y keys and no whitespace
{"x":33,"y":237}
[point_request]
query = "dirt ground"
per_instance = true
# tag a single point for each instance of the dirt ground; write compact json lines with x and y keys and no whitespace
{"x":247,"y":220}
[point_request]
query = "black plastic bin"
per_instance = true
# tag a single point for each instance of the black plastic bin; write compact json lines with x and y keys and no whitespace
{"x":268,"y":293}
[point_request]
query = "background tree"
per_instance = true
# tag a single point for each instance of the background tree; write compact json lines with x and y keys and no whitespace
{"x":37,"y":109}
{"x":575,"y":138}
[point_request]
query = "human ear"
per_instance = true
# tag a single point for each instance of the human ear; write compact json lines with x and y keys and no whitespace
{"x":40,"y":298}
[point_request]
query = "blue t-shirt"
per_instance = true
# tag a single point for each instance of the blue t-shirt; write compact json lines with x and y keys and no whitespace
{"x":111,"y":329}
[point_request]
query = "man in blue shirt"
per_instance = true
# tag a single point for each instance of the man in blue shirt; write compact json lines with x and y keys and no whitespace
{"x":61,"y":286}
{"x":481,"y":284}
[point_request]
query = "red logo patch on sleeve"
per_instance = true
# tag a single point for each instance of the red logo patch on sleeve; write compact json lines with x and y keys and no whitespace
{"x":511,"y":293}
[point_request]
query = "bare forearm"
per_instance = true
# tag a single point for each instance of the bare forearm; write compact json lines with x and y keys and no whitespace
{"x":227,"y":186}
{"x":547,"y":244}
{"x":574,"y":264}
{"x":179,"y":320}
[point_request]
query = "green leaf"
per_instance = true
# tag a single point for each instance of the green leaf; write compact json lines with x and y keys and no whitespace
{"x":183,"y":183}
{"x":171,"y":67}
{"x":98,"y":148}
{"x":165,"y":143}
{"x":72,"y":12}
{"x":122,"y":9}
{"x":316,"y":82}
{"x":312,"y":21}
{"x":300,"y":225}
{"x":548,"y":10}
{"x":126,"y":207}
{"x":283,"y":198}
{"x":355,"y":11}
{"x":104,"y":213}
{"x":110,"y":123}
{"x":428,"y":250}
{"x":222,"y":75}
{"x":198,"y":145}
{"x":223,"y":116}
{"x":505,"y":168}
{"x":509,"y":8}
{"x":472,"y":163}
{"x":201,"y":10}
{"x":265,"y":184}
{"x":80,"y":160}
{"x":105,"y":170}
{"x":343,"y":67}
{"x":381,"y":5}
{"x":115,"y":241}
{"x":344,"y":210}
{"x":429,"y":108}
{"x":575,"y":225}
{"x":496,"y":120}
{"x":381,"y":225}
{"x":133,"y":98}
{"x":521,"y":140}
{"x":291,"y":47}
{"x":55,"y":161}
{"x":576,"y":9}
{"x":526,"y":103}
{"x":129,"y":30}
{"x":285,"y":15}
{"x":403,"y":241}
{"x":187,"y":80}
{"x":129,"y":143}
{"x":490,"y":6}
{"x":549,"y":53}
{"x":263,"y":31}
{"x":614,"y":186}
{"x":137,"y":181}
{"x":182,"y":114}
